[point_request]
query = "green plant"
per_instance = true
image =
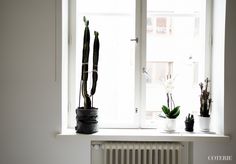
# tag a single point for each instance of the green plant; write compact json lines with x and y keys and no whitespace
{"x":189,"y":118}
{"x":174,"y":113}
{"x":170,"y":110}
{"x":205,"y":100}
{"x":85,"y":65}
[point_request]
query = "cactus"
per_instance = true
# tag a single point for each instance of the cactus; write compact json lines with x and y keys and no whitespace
{"x":205,"y":100}
{"x":85,"y":65}
{"x":189,"y":122}
{"x":189,"y":118}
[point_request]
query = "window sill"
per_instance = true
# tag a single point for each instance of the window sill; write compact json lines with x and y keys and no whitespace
{"x":147,"y":135}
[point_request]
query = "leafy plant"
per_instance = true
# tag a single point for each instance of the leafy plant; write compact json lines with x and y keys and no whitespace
{"x":174,"y":113}
{"x":170,"y":110}
{"x":205,"y":100}
{"x":189,"y":118}
{"x":85,"y":65}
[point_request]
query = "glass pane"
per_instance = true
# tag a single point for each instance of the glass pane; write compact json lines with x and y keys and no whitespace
{"x":175,"y":45}
{"x":114,"y":20}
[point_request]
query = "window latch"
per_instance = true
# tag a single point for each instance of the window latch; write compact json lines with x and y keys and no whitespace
{"x":146,"y":75}
{"x":134,"y":40}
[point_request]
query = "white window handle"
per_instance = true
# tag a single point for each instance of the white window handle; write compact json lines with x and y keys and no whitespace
{"x":146,"y":75}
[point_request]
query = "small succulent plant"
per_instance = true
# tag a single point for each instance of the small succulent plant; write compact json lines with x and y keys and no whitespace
{"x":189,"y":118}
{"x":189,"y":122}
{"x":205,"y":100}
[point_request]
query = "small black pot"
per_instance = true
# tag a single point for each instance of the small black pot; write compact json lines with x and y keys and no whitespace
{"x":189,"y":126}
{"x":86,"y":120}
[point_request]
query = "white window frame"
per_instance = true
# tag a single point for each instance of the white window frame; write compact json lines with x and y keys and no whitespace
{"x":71,"y":59}
{"x":140,"y":58}
{"x":208,"y":54}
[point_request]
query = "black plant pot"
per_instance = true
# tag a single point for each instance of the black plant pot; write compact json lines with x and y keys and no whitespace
{"x":86,"y":120}
{"x":189,"y":126}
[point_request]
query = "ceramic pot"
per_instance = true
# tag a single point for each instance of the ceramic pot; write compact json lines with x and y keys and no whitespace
{"x":170,"y":124}
{"x":204,"y":124}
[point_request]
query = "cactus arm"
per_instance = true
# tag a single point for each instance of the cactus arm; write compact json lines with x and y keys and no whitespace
{"x":96,"y":46}
{"x":85,"y":56}
{"x":85,"y":60}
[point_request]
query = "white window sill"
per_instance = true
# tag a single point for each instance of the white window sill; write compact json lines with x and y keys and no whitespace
{"x":147,"y":135}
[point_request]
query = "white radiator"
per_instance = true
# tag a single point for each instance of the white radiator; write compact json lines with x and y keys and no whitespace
{"x":138,"y":153}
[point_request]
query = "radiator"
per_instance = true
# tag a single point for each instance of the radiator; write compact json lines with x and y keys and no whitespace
{"x":137,"y":153}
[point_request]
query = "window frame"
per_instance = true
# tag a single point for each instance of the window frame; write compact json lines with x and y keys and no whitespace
{"x":140,"y":59}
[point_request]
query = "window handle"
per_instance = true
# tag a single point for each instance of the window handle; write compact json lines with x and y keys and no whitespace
{"x":134,"y":40}
{"x":146,"y":75}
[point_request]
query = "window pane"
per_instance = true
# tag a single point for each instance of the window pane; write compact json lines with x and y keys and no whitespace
{"x":114,"y":20}
{"x":175,"y":45}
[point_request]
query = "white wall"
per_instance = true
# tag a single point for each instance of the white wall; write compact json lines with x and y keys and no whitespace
{"x":203,"y":150}
{"x":29,"y":95}
{"x":30,"y":113}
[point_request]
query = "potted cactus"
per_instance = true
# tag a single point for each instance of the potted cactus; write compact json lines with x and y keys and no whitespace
{"x":189,"y":122}
{"x":171,"y":111}
{"x":86,"y":116}
{"x":205,"y":106}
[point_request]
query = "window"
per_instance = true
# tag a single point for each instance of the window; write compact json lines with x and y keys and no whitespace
{"x":141,"y":43}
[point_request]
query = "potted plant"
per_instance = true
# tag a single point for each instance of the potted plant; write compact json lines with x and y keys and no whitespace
{"x":171,"y":111}
{"x":205,"y":106}
{"x":189,"y":122}
{"x":86,"y":116}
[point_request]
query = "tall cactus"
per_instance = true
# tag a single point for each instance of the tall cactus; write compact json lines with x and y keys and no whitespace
{"x":205,"y":100}
{"x":85,"y":65}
